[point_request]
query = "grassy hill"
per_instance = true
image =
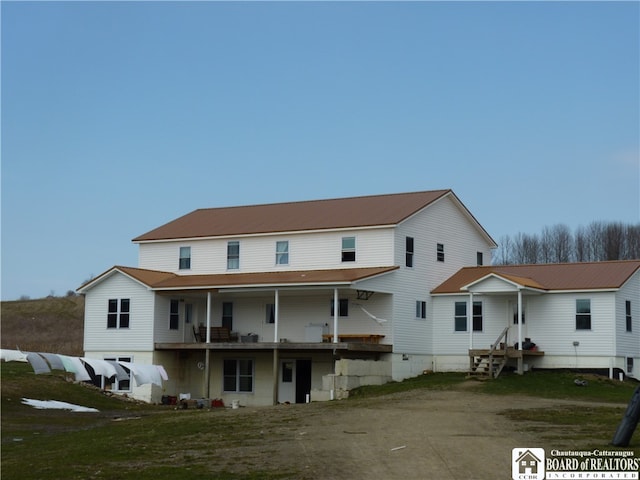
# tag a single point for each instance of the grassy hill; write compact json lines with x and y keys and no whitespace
{"x":52,"y":324}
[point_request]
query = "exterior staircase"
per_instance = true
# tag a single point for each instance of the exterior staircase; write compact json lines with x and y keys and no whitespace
{"x":485,"y":364}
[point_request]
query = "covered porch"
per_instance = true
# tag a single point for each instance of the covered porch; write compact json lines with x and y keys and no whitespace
{"x":512,"y":345}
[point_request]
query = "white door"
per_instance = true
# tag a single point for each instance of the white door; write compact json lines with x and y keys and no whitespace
{"x":287,"y":381}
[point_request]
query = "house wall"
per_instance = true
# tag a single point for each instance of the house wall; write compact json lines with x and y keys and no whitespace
{"x":550,"y":322}
{"x":139,"y":336}
{"x":297,"y":310}
{"x":442,"y":222}
{"x":307,"y":251}
{"x":628,"y":343}
{"x":186,"y":376}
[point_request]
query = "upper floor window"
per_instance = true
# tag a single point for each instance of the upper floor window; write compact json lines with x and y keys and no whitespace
{"x":440,"y":252}
{"x":185,"y":258}
{"x":409,"y":251}
{"x":233,"y":255}
{"x":348,"y":249}
{"x":479,"y":259}
{"x":421,"y":309}
{"x":343,"y":307}
{"x":282,"y":253}
{"x":627,"y":312}
{"x":118,"y":313}
{"x":174,"y":315}
{"x":583,"y":314}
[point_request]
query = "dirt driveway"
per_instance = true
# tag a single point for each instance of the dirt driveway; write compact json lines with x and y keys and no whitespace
{"x":413,"y":435}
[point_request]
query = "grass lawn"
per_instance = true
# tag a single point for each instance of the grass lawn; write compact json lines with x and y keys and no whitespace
{"x":129,"y":440}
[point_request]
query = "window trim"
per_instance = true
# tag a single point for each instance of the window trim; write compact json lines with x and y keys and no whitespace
{"x":233,"y":255}
{"x":343,"y":307}
{"x":117,"y":382}
{"x":270,"y":314}
{"x":174,"y":314}
{"x":120,"y":317}
{"x":421,"y":309}
{"x":409,"y":247}
{"x":440,"y":252}
{"x":238,"y":376}
{"x":282,"y":256}
{"x":348,"y":253}
{"x":458,"y":317}
{"x":583,"y":318}
{"x":184,"y":258}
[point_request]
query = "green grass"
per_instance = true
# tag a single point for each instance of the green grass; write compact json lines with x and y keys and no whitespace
{"x":549,"y":384}
{"x":128,"y":440}
{"x":430,"y":381}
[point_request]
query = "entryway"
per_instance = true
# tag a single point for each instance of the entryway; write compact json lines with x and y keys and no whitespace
{"x":294,"y":383}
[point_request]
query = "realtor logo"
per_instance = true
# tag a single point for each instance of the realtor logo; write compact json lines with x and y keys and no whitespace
{"x":527,"y":464}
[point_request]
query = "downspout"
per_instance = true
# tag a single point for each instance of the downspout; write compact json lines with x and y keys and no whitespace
{"x":207,"y":366}
{"x":520,"y":359}
{"x":335,"y":315}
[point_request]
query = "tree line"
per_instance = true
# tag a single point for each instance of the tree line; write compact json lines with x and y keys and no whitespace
{"x":597,"y":242}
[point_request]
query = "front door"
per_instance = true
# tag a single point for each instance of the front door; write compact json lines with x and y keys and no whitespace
{"x":294,"y":383}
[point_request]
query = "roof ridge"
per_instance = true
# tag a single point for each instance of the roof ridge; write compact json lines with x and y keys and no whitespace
{"x":320,"y":200}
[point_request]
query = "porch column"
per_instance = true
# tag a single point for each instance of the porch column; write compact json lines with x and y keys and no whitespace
{"x":208,"y":334}
{"x":336,"y":308}
{"x":470,"y":319}
{"x":207,"y":354}
{"x":276,"y":315}
{"x":520,"y":359}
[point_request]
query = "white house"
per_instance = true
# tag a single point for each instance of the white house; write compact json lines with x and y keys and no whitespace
{"x":578,"y":315}
{"x":302,"y":301}
{"x":238,"y":303}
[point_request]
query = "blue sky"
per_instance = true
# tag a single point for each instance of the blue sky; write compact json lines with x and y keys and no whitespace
{"x":118,"y":117}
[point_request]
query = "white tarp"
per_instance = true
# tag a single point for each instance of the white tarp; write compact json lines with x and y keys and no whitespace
{"x":57,"y":405}
{"x":142,"y":373}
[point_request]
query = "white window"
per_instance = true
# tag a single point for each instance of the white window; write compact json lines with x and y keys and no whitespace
{"x":583,"y":314}
{"x":233,"y":255}
{"x":282,"y":253}
{"x":118,"y":313}
{"x":113,"y":383}
{"x":440,"y":252}
{"x":270,"y":313}
{"x":348,"y":249}
{"x":185,"y":258}
{"x":238,"y":375}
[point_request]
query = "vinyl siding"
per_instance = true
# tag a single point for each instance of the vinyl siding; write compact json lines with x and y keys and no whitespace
{"x":442,"y":222}
{"x":139,"y":335}
{"x":628,"y":343}
{"x":308,"y":251}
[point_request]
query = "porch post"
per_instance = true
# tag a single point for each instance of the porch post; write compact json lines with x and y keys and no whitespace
{"x":207,"y":354}
{"x":336,"y":308}
{"x":208,"y":334}
{"x":275,"y":374}
{"x":276,"y":315}
{"x":470,"y":318}
{"x":520,"y":359}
